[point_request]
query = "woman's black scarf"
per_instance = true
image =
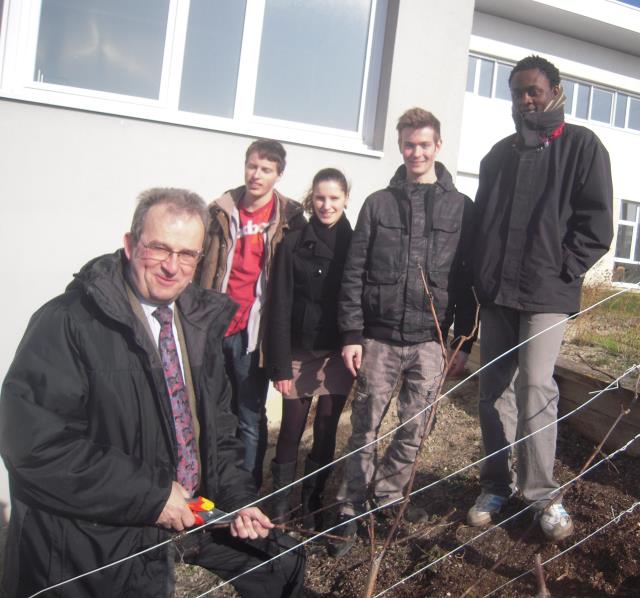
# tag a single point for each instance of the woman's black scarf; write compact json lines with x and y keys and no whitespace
{"x":336,"y":237}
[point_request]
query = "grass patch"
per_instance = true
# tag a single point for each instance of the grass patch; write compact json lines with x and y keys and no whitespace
{"x":612,"y":329}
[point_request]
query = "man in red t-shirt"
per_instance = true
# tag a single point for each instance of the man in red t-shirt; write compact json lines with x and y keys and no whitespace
{"x":247,"y":224}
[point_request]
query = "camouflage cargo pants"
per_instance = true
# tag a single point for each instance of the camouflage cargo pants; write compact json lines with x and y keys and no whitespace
{"x":414,"y":370}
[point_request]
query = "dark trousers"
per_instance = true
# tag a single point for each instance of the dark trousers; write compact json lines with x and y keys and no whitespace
{"x":250,"y":385}
{"x":229,"y":557}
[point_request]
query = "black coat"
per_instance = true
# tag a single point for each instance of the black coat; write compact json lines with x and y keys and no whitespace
{"x":401,"y":234}
{"x":544,"y":218}
{"x":87,"y":437}
{"x":305,"y":282}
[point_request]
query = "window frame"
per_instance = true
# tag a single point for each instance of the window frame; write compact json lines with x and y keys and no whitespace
{"x":635,"y":238}
{"x":18,"y":47}
{"x":570,"y":110}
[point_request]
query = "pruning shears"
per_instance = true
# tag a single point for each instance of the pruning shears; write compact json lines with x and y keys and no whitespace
{"x":205,"y":510}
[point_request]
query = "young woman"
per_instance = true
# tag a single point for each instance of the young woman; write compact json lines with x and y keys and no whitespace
{"x":302,"y":340}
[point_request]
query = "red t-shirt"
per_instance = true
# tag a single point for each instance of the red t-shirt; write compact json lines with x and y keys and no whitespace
{"x":247,"y":263}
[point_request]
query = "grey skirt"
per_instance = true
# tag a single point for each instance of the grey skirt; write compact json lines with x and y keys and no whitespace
{"x":318,"y":373}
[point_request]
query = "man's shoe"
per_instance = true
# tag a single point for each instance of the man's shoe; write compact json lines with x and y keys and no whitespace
{"x":556,"y":523}
{"x":347,"y":533}
{"x":487,"y":505}
{"x":412,"y":514}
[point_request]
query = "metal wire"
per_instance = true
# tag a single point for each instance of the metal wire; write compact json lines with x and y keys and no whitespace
{"x":514,"y":516}
{"x":347,"y":455}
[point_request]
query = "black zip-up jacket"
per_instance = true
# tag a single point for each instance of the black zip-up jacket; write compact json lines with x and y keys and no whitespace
{"x":403,"y":232}
{"x":544,"y":218}
{"x":87,"y":436}
{"x":303,"y":296}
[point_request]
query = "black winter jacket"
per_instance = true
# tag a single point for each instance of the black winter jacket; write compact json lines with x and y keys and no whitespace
{"x":305,"y":281}
{"x":88,"y":439}
{"x":544,"y":218}
{"x":398,"y":238}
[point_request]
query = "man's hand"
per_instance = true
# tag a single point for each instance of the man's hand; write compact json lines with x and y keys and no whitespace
{"x":283,"y":386}
{"x":176,"y":514}
{"x":352,"y":357}
{"x":457,"y":364}
{"x":251,"y":523}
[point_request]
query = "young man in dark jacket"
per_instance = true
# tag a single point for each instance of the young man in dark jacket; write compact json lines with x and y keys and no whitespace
{"x":247,"y":224}
{"x":544,"y":207}
{"x":115,"y":412}
{"x":418,"y":228}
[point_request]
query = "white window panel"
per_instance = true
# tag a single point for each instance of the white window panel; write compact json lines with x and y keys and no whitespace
{"x":624,"y":241}
{"x":212,"y":57}
{"x":634,"y":114}
{"x":116,"y":46}
{"x":582,"y":101}
{"x":322,"y":81}
{"x":207,"y":63}
{"x":621,"y":110}
{"x":485,"y":83}
{"x":568,"y":87}
{"x":601,"y":105}
{"x":628,"y":238}
{"x":471,"y":73}
{"x":502,"y":81}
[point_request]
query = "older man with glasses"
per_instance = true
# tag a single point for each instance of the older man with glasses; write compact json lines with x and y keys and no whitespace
{"x":115,"y":413}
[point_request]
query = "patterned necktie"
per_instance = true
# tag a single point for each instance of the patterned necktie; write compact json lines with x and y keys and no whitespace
{"x":188,"y":469}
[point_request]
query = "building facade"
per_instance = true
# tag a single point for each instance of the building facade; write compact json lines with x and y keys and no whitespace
{"x":596,"y":46}
{"x":102,"y":99}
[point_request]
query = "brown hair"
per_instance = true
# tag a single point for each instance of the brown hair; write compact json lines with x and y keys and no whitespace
{"x":417,"y":118}
{"x":326,"y":174}
{"x":268,"y":149}
{"x":178,"y":200}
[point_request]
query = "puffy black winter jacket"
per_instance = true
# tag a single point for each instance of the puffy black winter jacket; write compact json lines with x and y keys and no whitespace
{"x":87,"y":436}
{"x":403,"y":232}
{"x":544,"y":218}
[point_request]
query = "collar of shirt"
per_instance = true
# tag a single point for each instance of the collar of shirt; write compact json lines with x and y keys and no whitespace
{"x":148,"y":309}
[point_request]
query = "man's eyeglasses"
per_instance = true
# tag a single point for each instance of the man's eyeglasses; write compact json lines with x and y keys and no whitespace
{"x":160,"y":253}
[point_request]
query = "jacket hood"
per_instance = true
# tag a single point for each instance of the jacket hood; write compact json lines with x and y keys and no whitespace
{"x":444,"y":179}
{"x":103,"y":280}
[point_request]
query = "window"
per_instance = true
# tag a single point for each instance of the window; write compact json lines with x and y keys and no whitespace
{"x":321,"y":82}
{"x":212,"y":57}
{"x":502,"y":81}
{"x":601,"y":105}
{"x":621,"y":110}
{"x":488,"y":78}
{"x":471,"y":73}
{"x":627,"y":255}
{"x":485,"y":84}
{"x":582,"y":101}
{"x":568,"y":87}
{"x":115,"y":47}
{"x":634,"y":114}
{"x":213,"y":63}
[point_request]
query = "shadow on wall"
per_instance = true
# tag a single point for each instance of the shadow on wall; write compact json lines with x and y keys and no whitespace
{"x":4,"y":519}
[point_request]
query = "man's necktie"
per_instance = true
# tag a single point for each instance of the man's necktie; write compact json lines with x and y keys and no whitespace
{"x":188,"y":473}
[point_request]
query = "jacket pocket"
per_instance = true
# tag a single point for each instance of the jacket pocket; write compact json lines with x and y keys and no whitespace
{"x":446,"y":236}
{"x":386,"y":249}
{"x":381,"y":296}
{"x":438,"y":286}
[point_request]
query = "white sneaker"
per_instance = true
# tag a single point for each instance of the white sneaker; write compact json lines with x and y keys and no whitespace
{"x":485,"y":507}
{"x":556,"y":522}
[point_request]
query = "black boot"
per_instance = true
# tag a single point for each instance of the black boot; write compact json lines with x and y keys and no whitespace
{"x":282,"y":474}
{"x":312,"y":495}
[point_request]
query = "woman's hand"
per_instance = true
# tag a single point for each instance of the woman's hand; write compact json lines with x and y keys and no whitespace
{"x":283,"y":386}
